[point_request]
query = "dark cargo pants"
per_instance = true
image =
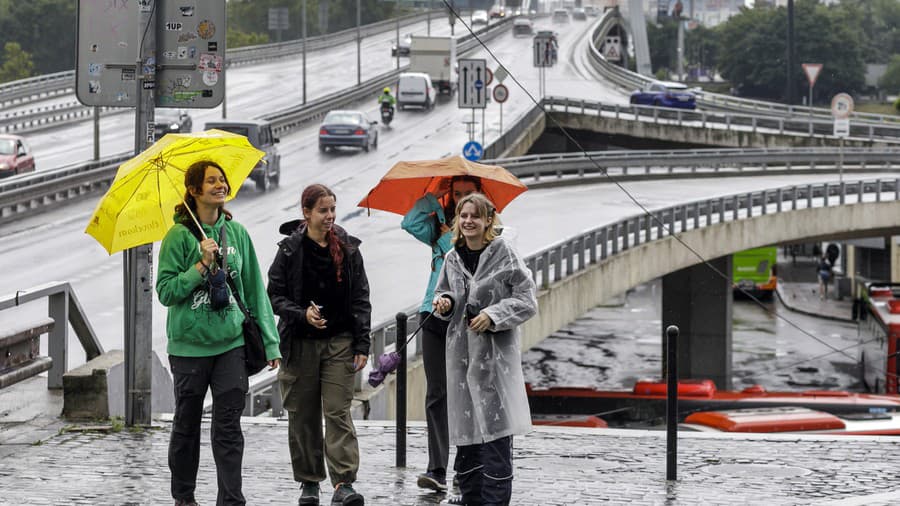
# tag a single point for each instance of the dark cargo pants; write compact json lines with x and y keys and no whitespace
{"x":485,"y":472}
{"x":317,"y":381}
{"x":226,"y":375}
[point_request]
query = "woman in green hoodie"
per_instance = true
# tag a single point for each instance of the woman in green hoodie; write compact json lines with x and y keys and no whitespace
{"x":206,"y":345}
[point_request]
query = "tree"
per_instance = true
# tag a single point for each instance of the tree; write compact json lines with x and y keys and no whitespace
{"x":753,"y":47}
{"x":890,"y":81}
{"x":41,"y":27}
{"x":16,"y":65}
{"x":663,"y":47}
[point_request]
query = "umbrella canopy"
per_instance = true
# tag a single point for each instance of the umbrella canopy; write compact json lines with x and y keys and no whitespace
{"x":407,"y":182}
{"x":139,"y":205}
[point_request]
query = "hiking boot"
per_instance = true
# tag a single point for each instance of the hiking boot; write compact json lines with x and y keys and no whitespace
{"x":432,"y":480}
{"x":185,"y":502}
{"x":309,"y":494}
{"x":344,"y":495}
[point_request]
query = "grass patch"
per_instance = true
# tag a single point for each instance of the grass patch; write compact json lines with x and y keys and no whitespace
{"x":873,"y":108}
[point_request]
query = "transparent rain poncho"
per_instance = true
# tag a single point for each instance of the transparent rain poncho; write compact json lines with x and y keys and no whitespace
{"x":485,"y":387}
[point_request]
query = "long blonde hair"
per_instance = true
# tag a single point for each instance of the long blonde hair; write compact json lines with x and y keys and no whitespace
{"x":485,"y":209}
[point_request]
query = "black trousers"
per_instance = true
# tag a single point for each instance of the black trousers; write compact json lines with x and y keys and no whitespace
{"x":434,"y":353}
{"x":226,"y":375}
{"x":485,"y":472}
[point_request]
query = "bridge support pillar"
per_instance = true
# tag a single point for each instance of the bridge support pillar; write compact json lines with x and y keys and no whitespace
{"x":699,"y":301}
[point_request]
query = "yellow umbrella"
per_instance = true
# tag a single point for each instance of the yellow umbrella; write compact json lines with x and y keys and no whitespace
{"x":139,"y":205}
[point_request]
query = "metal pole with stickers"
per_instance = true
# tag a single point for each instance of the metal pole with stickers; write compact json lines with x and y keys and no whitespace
{"x":146,"y":54}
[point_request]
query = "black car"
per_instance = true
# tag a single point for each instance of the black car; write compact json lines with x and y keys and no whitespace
{"x":259,"y":132}
{"x":347,"y":128}
{"x":171,"y":121}
{"x":402,"y":47}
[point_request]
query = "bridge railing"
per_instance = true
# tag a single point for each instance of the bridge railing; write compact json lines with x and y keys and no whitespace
{"x":798,"y":125}
{"x":630,"y":81}
{"x":64,"y":309}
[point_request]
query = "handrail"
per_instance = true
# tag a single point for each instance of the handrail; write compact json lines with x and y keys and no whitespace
{"x":65,"y":310}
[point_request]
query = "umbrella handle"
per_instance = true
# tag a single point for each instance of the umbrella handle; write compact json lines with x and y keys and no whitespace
{"x":411,"y":336}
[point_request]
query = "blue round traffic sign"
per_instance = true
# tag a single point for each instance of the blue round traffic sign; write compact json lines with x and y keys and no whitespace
{"x":472,"y":151}
{"x":479,"y":84}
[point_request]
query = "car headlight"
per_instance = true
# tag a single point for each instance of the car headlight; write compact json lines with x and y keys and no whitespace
{"x":4,"y":166}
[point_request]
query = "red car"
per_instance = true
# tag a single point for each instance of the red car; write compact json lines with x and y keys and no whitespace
{"x":15,"y":156}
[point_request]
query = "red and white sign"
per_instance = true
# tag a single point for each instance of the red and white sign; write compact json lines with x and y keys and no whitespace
{"x":501,"y":93}
{"x":812,"y":72}
{"x":489,"y":76}
{"x":841,"y":106}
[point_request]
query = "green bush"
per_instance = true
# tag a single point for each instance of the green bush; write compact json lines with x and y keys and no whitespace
{"x":897,"y":104}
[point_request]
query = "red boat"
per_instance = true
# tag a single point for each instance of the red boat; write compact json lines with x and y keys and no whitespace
{"x":645,"y":404}
{"x":793,"y":420}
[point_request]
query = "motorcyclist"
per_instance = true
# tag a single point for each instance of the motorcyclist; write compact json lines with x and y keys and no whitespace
{"x":387,"y":97}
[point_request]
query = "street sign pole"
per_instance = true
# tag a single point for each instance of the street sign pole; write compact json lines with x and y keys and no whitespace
{"x":96,"y":133}
{"x":482,"y":126}
{"x":137,"y":261}
{"x":501,"y":118}
{"x":303,"y":34}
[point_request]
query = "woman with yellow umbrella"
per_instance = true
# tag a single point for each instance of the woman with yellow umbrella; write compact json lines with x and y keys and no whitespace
{"x":205,"y":335}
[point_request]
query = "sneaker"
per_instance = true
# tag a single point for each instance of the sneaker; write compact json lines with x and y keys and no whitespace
{"x":456,"y":483}
{"x":185,"y":502}
{"x":432,"y":480}
{"x":344,"y":495}
{"x":456,"y":499}
{"x":309,"y":494}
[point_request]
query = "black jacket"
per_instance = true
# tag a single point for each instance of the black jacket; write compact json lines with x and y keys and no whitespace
{"x":286,"y":282}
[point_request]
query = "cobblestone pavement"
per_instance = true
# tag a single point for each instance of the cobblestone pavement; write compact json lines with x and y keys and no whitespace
{"x":554,"y":466}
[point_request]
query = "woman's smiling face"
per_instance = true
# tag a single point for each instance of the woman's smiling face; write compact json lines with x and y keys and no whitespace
{"x":214,"y":190}
{"x":471,"y":224}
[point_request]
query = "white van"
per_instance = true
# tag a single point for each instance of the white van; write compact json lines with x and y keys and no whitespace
{"x":415,"y":88}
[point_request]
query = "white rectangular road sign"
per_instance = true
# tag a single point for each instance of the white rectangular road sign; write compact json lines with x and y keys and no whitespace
{"x":473,"y":90}
{"x":842,"y":127}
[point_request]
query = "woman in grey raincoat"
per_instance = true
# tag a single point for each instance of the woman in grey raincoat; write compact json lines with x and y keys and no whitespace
{"x":485,"y":291}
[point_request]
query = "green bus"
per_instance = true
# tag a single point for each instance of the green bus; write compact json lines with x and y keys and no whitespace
{"x":753,"y":270}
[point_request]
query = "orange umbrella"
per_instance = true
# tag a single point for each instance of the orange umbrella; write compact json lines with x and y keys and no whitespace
{"x":407,"y":182}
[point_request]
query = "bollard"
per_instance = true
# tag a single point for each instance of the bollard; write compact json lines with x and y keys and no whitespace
{"x":671,"y":403}
{"x":401,"y":391}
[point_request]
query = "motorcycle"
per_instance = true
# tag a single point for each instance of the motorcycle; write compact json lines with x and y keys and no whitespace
{"x":387,"y":113}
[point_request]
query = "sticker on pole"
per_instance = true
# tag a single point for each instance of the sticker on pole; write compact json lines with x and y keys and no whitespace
{"x":812,"y":72}
{"x":841,"y":106}
{"x":501,"y":93}
{"x":472,"y":151}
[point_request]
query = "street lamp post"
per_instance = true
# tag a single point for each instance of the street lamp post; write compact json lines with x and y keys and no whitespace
{"x":358,"y":47}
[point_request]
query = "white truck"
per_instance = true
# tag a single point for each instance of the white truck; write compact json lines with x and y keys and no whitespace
{"x":435,"y":56}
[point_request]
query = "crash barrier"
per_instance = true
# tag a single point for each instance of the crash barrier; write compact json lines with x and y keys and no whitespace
{"x":572,"y":256}
{"x":630,"y":81}
{"x":41,"y":118}
{"x":728,"y":121}
{"x":27,"y":194}
{"x":40,"y":87}
{"x":19,"y":346}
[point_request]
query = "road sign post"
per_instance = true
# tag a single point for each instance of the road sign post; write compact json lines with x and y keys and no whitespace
{"x":841,"y":109}
{"x":147,"y":54}
{"x":501,"y":93}
{"x":544,"y":49}
{"x":812,"y":71}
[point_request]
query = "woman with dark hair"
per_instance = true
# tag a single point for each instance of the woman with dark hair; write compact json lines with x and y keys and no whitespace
{"x":206,"y":343}
{"x":429,"y":221}
{"x":485,"y":292}
{"x":318,"y":286}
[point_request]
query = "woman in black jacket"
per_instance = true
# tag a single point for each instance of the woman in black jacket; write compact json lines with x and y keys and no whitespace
{"x":318,"y":286}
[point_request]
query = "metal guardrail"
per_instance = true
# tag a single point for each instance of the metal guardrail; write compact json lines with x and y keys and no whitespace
{"x":40,"y":87}
{"x":797,"y":125}
{"x":631,"y":81}
{"x":64,"y":310}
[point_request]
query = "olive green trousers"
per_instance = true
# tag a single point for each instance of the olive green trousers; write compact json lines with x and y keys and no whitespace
{"x":317,"y":381}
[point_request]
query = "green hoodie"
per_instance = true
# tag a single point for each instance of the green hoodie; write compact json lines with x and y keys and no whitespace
{"x":193,"y":329}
